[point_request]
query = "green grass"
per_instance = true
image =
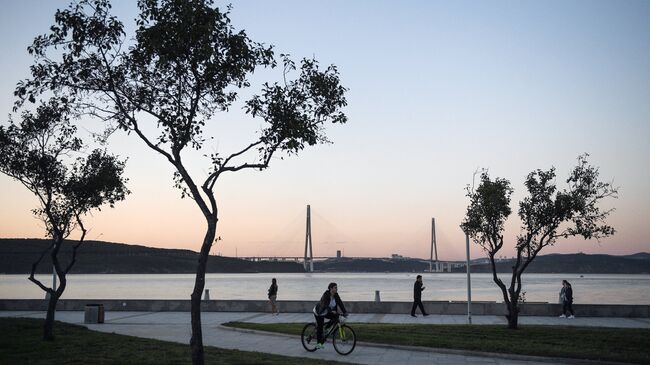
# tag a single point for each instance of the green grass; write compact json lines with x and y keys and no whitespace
{"x":594,"y":343}
{"x":20,"y":343}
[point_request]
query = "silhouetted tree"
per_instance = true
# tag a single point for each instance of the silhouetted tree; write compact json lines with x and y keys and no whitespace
{"x":185,"y":63}
{"x":39,"y":154}
{"x":546,"y":213}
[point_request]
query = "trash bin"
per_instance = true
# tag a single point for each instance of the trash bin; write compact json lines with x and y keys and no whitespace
{"x":94,"y":313}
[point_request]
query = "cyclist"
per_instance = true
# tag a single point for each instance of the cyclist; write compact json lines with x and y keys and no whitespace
{"x":329,"y":306}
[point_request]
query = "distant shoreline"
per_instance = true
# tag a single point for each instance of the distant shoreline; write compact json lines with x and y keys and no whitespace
{"x":97,"y":257}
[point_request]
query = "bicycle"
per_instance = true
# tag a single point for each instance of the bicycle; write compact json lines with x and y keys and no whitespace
{"x":343,"y":337}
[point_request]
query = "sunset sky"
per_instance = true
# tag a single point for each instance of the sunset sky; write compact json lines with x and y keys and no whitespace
{"x":437,"y":90}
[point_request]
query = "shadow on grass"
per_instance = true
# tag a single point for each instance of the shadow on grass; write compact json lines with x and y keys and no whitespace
{"x":21,"y":343}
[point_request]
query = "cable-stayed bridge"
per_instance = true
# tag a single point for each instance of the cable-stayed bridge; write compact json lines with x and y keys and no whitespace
{"x":435,"y":265}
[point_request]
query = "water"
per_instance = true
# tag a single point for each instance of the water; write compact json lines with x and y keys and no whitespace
{"x":593,"y":289}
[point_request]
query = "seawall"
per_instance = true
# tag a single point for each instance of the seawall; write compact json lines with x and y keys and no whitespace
{"x":297,"y":306}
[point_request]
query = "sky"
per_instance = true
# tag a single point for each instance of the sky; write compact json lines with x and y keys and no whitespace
{"x":436,"y":91}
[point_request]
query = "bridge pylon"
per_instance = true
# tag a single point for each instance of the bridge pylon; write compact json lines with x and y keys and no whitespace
{"x":434,"y":249}
{"x":309,"y":259}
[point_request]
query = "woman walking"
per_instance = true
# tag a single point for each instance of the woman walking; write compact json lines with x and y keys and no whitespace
{"x":273,"y":294}
{"x":566,"y":297}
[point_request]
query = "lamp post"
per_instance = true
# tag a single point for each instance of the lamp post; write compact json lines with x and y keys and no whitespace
{"x":469,"y":283}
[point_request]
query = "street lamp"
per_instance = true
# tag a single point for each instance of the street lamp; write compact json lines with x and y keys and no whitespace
{"x":469,"y":283}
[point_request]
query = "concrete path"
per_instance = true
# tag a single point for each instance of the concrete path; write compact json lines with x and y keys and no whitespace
{"x":174,"y":327}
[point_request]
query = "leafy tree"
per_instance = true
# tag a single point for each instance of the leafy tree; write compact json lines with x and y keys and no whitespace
{"x":185,"y":63}
{"x":38,"y":154}
{"x":547,"y":215}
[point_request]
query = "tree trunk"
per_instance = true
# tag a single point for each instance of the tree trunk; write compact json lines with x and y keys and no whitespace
{"x":55,"y":294}
{"x":48,"y":328}
{"x":196,"y":342}
{"x":513,"y":315}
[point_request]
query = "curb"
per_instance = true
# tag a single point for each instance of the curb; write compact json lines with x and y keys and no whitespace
{"x":446,"y":350}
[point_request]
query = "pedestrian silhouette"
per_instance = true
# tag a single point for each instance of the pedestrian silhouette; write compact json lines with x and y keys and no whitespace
{"x":417,"y":296}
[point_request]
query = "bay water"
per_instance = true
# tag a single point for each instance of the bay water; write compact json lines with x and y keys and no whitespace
{"x":588,"y":288}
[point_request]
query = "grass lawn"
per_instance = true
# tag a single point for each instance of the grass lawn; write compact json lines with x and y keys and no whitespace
{"x":21,"y":344}
{"x":595,"y":343}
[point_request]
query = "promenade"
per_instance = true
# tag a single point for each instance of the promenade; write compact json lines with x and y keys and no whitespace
{"x":175,"y":327}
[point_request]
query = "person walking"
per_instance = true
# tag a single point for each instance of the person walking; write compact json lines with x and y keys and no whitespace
{"x":273,"y":294}
{"x":329,"y":306}
{"x":417,"y":296}
{"x":566,"y":297}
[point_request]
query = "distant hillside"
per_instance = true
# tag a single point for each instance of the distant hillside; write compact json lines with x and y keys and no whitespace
{"x":96,"y":257}
{"x":552,"y":263}
{"x":639,"y":256}
{"x":346,"y":264}
{"x":579,"y":263}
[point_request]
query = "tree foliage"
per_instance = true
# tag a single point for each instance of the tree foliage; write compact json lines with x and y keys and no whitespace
{"x":39,"y":153}
{"x":547,"y":214}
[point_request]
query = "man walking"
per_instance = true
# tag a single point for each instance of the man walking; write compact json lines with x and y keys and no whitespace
{"x":417,"y":296}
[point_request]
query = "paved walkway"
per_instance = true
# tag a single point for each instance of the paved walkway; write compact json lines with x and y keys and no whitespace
{"x":175,"y":327}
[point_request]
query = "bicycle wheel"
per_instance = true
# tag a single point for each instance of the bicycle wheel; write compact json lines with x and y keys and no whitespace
{"x":308,"y":337}
{"x":344,"y":340}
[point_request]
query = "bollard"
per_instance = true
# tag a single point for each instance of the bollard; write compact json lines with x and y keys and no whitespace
{"x":206,"y":296}
{"x":377,"y":298}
